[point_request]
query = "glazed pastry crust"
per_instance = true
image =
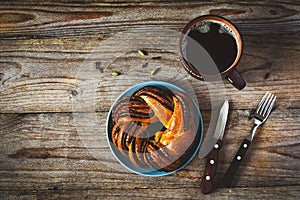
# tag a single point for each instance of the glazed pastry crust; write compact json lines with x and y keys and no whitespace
{"x":155,"y":128}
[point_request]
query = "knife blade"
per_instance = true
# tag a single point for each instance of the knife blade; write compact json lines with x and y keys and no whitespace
{"x":212,"y":158}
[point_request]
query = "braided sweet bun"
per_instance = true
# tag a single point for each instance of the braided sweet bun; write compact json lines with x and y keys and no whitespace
{"x":156,"y":128}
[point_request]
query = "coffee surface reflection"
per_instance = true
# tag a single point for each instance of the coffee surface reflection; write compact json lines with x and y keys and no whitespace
{"x":210,"y":44}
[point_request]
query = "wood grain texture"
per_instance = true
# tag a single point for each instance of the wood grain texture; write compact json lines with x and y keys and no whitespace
{"x":56,"y":87}
{"x":51,"y":19}
{"x":44,"y":80}
{"x":276,"y":193}
{"x":37,"y":144}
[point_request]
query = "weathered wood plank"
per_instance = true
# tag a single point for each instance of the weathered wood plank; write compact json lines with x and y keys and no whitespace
{"x":276,"y":193}
{"x":63,"y":155}
{"x":44,"y":149}
{"x":52,"y":78}
{"x":53,"y":19}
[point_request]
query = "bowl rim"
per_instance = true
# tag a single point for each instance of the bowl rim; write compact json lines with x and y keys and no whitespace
{"x":136,"y":87}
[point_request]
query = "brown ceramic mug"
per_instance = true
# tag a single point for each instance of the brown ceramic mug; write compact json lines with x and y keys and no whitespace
{"x":209,"y":46}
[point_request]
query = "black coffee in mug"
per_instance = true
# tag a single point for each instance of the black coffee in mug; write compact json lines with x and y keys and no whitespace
{"x":217,"y":41}
{"x":210,"y":46}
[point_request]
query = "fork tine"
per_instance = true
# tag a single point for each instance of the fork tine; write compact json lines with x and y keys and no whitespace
{"x":263,"y":106}
{"x":271,"y":106}
{"x":268,"y":103}
{"x":261,"y":102}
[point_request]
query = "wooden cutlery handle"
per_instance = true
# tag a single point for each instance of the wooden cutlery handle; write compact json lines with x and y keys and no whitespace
{"x":210,"y":169}
{"x":235,"y":163}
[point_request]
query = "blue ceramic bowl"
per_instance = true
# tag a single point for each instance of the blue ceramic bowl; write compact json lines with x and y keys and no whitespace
{"x":125,"y":161}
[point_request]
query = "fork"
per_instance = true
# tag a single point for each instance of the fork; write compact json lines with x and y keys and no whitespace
{"x":262,"y":113}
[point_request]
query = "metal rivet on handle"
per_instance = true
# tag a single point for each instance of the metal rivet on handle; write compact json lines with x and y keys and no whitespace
{"x":238,"y":157}
{"x":212,"y":162}
{"x":207,"y":178}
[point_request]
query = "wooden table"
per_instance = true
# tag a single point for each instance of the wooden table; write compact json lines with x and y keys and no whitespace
{"x":52,"y":130}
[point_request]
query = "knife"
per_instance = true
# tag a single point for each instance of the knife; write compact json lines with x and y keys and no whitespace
{"x":212,"y":158}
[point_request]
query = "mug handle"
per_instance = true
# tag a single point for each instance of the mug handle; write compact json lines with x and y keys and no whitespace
{"x":236,"y":79}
